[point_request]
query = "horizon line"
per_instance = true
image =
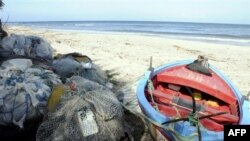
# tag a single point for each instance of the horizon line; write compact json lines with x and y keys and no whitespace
{"x":126,"y":21}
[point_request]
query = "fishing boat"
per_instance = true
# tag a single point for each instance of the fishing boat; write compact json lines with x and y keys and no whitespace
{"x":190,"y":100}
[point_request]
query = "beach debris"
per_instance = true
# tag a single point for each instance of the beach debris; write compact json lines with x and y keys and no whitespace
{"x":93,"y":115}
{"x":24,"y":91}
{"x":30,"y":46}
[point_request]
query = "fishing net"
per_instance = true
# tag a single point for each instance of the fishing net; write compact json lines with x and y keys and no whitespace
{"x":80,"y":85}
{"x":66,"y":66}
{"x":95,"y":74}
{"x":94,"y":115}
{"x":30,"y":46}
{"x":76,"y":64}
{"x":83,"y":108}
{"x":24,"y":91}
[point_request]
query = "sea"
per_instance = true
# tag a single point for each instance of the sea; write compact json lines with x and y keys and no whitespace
{"x":234,"y":34}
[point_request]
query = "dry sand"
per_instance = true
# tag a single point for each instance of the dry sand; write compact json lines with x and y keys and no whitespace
{"x":129,"y":54}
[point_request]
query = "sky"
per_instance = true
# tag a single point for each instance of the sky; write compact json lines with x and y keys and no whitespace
{"x":204,"y":11}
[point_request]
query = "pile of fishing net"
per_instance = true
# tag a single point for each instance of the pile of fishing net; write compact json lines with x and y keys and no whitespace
{"x":82,"y":109}
{"x":72,"y":94}
{"x":86,"y":111}
{"x":76,"y":64}
{"x":24,"y":91}
{"x":28,"y":46}
{"x":25,"y":84}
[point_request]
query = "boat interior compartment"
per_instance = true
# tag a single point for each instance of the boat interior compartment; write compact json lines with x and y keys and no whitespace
{"x":173,"y":91}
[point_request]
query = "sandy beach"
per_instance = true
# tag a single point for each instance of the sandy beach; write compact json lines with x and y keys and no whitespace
{"x":76,"y":70}
{"x":128,"y":54}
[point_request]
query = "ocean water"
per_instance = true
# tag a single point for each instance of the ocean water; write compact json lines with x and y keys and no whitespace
{"x":207,"y":32}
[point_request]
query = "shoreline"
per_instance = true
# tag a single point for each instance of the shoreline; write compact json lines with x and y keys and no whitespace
{"x":129,"y":54}
{"x":195,"y":38}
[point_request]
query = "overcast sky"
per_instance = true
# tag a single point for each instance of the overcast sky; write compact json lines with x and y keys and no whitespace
{"x":212,"y":11}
